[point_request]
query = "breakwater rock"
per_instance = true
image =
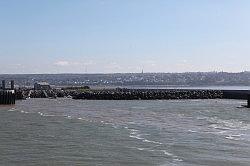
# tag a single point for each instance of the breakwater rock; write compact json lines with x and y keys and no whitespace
{"x":142,"y":94}
{"x":132,"y":94}
{"x":52,"y":93}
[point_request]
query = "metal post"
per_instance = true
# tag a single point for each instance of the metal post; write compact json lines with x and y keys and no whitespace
{"x":248,"y":101}
{"x":12,"y":84}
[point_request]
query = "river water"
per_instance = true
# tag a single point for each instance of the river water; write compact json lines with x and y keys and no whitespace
{"x":125,"y":133}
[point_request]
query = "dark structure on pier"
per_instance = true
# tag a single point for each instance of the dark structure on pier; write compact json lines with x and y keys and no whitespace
{"x":7,"y":95}
{"x":237,"y":94}
{"x":248,"y":101}
{"x":41,"y":86}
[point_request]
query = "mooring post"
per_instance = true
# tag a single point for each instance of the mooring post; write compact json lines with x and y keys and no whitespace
{"x":1,"y":97}
{"x":12,"y":83}
{"x":248,"y":101}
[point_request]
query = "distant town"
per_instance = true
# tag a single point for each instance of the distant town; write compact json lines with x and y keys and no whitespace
{"x":131,"y":79}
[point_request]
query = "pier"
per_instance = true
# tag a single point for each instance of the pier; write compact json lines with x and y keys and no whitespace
{"x":120,"y":94}
{"x":7,"y":95}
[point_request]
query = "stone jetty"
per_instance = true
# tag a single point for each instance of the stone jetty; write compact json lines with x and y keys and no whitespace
{"x":122,"y":94}
{"x":148,"y":94}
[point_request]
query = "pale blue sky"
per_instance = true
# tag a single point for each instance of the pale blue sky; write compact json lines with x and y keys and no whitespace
{"x":106,"y":36}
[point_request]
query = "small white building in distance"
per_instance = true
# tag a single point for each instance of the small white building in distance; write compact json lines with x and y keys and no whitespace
{"x":41,"y":86}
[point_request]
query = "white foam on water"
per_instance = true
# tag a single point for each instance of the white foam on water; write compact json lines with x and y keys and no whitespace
{"x":67,"y":116}
{"x":192,"y":131}
{"x":177,"y":159}
{"x":141,"y":149}
{"x":235,"y":137}
{"x":138,"y":148}
{"x":231,"y":129}
{"x":218,"y":126}
{"x":220,"y":132}
{"x":136,"y":137}
{"x":165,"y":152}
{"x":114,"y":126}
{"x":25,"y":112}
{"x":40,"y":113}
{"x":155,"y":142}
{"x":229,"y":124}
{"x":45,"y":115}
{"x":12,"y":109}
{"x":202,"y":118}
{"x":133,"y":131}
{"x":239,"y":135}
{"x":135,"y":134}
{"x":48,"y":115}
{"x":232,"y":138}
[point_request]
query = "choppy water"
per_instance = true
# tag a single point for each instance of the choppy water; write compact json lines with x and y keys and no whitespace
{"x":125,"y":133}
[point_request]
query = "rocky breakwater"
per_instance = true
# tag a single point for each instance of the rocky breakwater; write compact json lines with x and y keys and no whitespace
{"x":53,"y":93}
{"x":149,"y":94}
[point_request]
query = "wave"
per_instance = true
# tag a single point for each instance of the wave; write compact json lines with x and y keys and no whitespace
{"x":25,"y":112}
{"x":15,"y":109}
{"x":192,"y":131}
{"x":135,"y":134}
{"x":165,"y":152}
{"x":154,"y":142}
{"x":231,"y":124}
{"x":235,"y":137}
{"x":46,"y":115}
{"x":12,"y":109}
{"x":67,"y":116}
{"x":231,"y":129}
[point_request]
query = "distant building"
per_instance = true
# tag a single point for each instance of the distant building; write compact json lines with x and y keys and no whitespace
{"x":41,"y":86}
{"x":4,"y":87}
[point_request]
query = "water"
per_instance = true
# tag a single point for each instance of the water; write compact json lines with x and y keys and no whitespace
{"x":125,"y":133}
{"x":190,"y":87}
{"x":229,"y":87}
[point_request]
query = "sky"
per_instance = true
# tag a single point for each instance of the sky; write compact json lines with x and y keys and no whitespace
{"x":124,"y":36}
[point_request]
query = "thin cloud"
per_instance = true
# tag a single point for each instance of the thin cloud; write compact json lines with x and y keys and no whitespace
{"x":62,"y":63}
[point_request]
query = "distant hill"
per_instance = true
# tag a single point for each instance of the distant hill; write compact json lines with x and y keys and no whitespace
{"x":128,"y":79}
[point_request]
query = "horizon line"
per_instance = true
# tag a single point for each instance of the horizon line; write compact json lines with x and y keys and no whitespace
{"x":126,"y":73}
